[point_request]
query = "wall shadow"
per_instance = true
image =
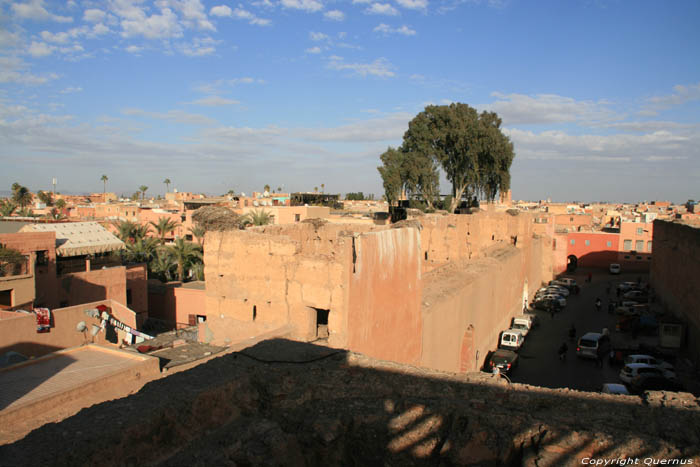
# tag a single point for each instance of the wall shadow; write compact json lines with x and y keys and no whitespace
{"x":20,"y":379}
{"x":282,"y":402}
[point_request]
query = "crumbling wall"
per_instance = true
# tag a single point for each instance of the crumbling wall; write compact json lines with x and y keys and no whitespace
{"x":675,"y":269}
{"x":384,"y":293}
{"x":268,"y":276}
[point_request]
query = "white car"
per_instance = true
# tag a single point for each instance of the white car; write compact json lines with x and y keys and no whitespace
{"x":649,"y":360}
{"x":615,"y":388}
{"x":632,"y":370}
{"x":559,"y":289}
{"x":551,"y":296}
{"x":615,"y":268}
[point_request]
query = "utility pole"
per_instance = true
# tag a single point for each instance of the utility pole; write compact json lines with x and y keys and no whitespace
{"x":54,"y":186}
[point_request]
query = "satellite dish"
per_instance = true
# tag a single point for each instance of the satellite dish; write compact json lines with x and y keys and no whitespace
{"x":81,"y":326}
{"x":105,"y":315}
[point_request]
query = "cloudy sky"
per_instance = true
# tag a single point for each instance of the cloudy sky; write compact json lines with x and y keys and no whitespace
{"x":601,"y":98}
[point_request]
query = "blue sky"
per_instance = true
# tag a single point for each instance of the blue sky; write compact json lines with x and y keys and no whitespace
{"x":601,"y":99}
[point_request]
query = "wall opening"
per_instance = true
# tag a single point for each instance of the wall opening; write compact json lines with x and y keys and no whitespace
{"x":201,"y":318}
{"x":6,"y":298}
{"x":321,"y":323}
{"x":255,"y":312}
{"x":572,"y":263}
{"x":426,"y":256}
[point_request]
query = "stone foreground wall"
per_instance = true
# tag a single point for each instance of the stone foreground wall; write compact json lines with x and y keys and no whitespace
{"x":675,"y":275}
{"x":334,"y":408}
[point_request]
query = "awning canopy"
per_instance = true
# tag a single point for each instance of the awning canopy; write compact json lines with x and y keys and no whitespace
{"x":79,"y":238}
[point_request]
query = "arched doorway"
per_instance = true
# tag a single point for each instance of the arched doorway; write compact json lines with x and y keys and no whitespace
{"x":571,"y":263}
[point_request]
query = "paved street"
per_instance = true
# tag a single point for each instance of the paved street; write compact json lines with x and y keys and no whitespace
{"x":540,"y":364}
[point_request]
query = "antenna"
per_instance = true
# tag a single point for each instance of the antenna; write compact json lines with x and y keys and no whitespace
{"x":54,"y":185}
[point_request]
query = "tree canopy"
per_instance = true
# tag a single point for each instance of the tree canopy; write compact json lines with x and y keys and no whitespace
{"x":469,"y":147}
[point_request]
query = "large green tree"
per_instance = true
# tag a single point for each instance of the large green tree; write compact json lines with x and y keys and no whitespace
{"x":45,"y":197}
{"x":409,"y":173}
{"x":469,"y":147}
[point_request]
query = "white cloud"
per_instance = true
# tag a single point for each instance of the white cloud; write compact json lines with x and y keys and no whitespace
{"x":214,"y":101}
{"x":193,"y":14}
{"x":239,"y":13}
{"x":93,"y":15}
{"x":135,"y":22}
{"x":172,"y":115}
{"x":40,"y":49}
{"x":71,"y":90}
{"x":386,"y":29}
{"x":681,"y":95}
{"x":8,"y":39}
{"x":334,"y":15}
{"x":217,"y":86}
{"x":200,"y":46}
{"x":361,"y":2}
{"x":318,"y":36}
{"x":548,"y":108}
{"x":221,"y":10}
{"x":134,"y":49}
{"x":389,"y":128}
{"x":99,"y":29}
{"x":413,"y":4}
{"x":34,"y":10}
{"x":382,"y":9}
{"x":380,"y":67}
{"x":313,"y":50}
{"x":56,"y":38}
{"x":14,"y":70}
{"x":310,"y":6}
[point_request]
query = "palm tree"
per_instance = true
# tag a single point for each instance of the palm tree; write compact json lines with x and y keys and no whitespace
{"x":143,"y":250}
{"x":163,"y":226}
{"x":266,"y":188}
{"x":257,"y":217}
{"x":130,"y":232}
{"x":322,"y":187}
{"x":185,"y":254}
{"x":7,"y":207}
{"x":143,"y":189}
{"x":45,"y":197}
{"x":56,"y":214}
{"x":279,"y":189}
{"x":162,"y":265}
{"x":22,"y":196}
{"x":104,"y":179}
{"x":315,"y":189}
{"x":198,"y":232}
{"x":167,"y":185}
{"x":61,"y":204}
{"x":25,"y":212}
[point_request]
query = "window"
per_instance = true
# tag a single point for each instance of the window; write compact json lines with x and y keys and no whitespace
{"x":297,"y":217}
{"x":649,"y":247}
{"x":627,"y":245}
{"x":588,"y":243}
{"x":571,"y":219}
{"x":640,"y":231}
{"x":608,"y":244}
{"x":128,"y":297}
{"x":573,"y":242}
{"x":627,"y":256}
{"x":42,"y":258}
{"x":6,"y":298}
{"x":639,"y":245}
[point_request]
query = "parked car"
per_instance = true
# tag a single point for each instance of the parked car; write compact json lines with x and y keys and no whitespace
{"x":523,"y":323}
{"x":511,"y":339}
{"x":615,"y":268}
{"x":558,"y":298}
{"x":654,"y":383}
{"x":636,"y":295}
{"x":615,"y":388}
{"x":559,"y":289}
{"x":505,"y":360}
{"x":632,"y":370}
{"x":593,"y":344}
{"x":546,"y":304}
{"x":649,"y":360}
{"x":568,"y":282}
{"x":625,"y":286}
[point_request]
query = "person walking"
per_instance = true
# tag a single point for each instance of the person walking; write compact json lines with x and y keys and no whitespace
{"x":563,"y":348}
{"x":598,"y":304}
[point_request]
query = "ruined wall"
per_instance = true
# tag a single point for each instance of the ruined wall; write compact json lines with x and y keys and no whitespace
{"x":277,"y":276}
{"x":675,"y":269}
{"x":384,"y":295}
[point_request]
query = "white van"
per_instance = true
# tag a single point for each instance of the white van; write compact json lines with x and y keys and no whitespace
{"x":593,"y":345}
{"x":511,"y":339}
{"x":522,"y":323}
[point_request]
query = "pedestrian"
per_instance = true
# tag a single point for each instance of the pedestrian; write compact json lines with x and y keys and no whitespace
{"x":563,"y":348}
{"x":598,"y":304}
